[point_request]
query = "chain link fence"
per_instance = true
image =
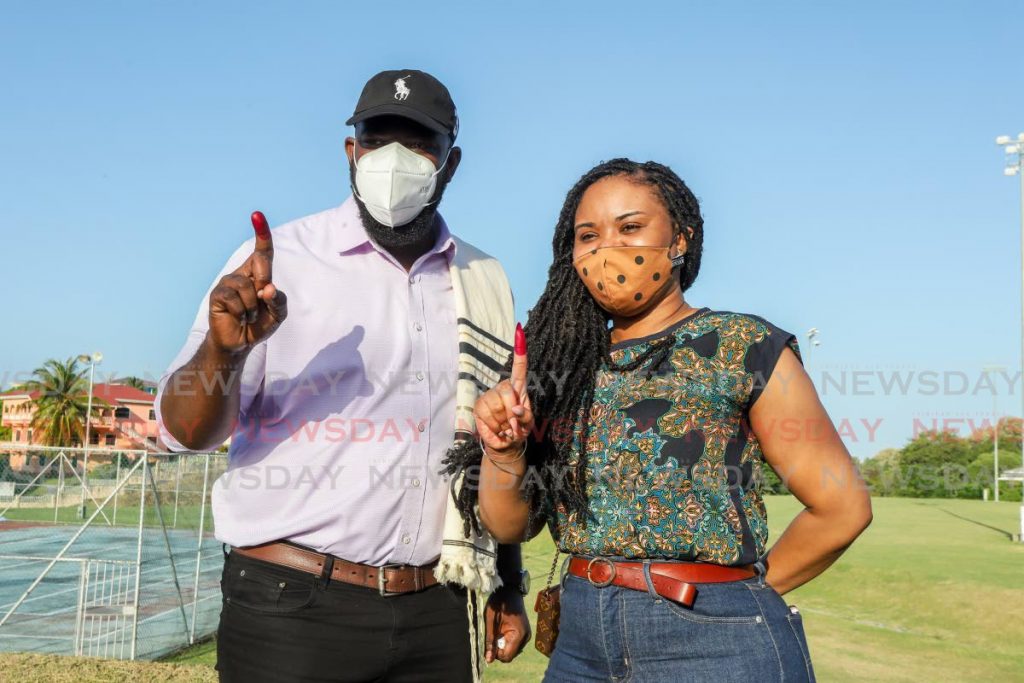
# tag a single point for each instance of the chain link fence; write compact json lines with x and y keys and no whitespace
{"x":107,"y":553}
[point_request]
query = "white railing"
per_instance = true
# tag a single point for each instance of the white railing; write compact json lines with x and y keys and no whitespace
{"x":125,"y":567}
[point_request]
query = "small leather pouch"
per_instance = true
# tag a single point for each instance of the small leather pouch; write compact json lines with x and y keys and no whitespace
{"x":548,"y":608}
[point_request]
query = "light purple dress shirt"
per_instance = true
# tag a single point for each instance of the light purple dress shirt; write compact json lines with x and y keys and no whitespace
{"x":348,"y":409}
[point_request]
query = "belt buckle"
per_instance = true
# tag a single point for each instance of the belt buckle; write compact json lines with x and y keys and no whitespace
{"x":611,"y":567}
{"x":382,"y":581}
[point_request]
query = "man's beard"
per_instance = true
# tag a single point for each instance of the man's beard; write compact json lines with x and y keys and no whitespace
{"x":416,"y":232}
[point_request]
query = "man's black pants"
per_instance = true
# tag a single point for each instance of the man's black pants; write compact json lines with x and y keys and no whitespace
{"x":281,"y":624}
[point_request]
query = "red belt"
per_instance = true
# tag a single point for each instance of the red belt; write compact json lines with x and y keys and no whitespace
{"x":672,"y":580}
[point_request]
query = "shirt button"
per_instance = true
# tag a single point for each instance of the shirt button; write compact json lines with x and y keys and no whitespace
{"x":412,"y":280}
{"x":406,"y":539}
{"x":421,"y":426}
{"x":415,"y":483}
{"x":419,"y":376}
{"x":419,"y":328}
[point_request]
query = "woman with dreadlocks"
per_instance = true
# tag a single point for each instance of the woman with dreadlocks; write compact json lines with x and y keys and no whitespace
{"x":636,"y":426}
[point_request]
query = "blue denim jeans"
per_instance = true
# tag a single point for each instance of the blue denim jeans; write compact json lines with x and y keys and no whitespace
{"x":737,"y":631}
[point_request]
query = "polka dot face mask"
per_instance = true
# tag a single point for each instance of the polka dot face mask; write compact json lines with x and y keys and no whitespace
{"x":623,"y":280}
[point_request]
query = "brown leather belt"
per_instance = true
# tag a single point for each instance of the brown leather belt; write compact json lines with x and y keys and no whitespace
{"x":390,"y":579}
{"x":672,"y":580}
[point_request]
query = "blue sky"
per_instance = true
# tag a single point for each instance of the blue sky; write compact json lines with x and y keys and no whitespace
{"x":844,"y":158}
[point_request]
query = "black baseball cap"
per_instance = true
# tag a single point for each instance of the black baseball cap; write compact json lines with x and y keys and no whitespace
{"x":410,"y":93}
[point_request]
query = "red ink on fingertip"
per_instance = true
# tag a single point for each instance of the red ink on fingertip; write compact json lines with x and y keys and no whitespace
{"x":259,"y":224}
{"x":520,"y":347}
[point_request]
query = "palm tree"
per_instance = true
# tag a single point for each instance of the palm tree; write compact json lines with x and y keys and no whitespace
{"x":62,"y":402}
{"x":134,"y":382}
{"x":138,"y":383}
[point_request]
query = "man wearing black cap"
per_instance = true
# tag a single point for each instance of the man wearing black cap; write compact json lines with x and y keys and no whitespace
{"x":348,"y":560}
{"x":413,"y":109}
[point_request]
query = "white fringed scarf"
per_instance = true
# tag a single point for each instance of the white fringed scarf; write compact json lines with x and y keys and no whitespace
{"x":486,"y":323}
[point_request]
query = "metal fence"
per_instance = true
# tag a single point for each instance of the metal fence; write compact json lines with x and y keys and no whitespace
{"x":107,"y":553}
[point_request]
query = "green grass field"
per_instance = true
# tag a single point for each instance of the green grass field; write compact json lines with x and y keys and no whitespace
{"x":932,"y":591}
{"x":127,"y":515}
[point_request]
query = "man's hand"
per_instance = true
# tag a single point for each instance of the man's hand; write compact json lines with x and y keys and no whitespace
{"x":245,"y":306}
{"x":507,"y":626}
{"x":503,"y":415}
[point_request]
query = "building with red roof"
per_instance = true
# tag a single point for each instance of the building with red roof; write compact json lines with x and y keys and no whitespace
{"x":123,"y":418}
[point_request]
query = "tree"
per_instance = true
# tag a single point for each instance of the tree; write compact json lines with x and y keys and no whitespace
{"x":938,"y":464}
{"x":1009,"y":436}
{"x":882,"y":472}
{"x":136,"y":382}
{"x":935,"y":465}
{"x":60,"y":407}
{"x":981,"y":474}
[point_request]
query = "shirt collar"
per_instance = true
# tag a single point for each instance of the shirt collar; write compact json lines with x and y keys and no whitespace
{"x":351,"y":234}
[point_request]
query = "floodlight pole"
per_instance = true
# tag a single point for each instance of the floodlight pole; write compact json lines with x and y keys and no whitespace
{"x":1015,"y":166}
{"x":990,"y":370}
{"x":92,"y":360}
{"x":812,"y":341}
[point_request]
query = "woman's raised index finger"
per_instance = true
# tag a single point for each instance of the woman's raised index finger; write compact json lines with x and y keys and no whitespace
{"x":519,"y":365}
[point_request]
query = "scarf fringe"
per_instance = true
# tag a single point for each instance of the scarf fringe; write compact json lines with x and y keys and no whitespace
{"x":486,"y":318}
{"x":467,"y":572}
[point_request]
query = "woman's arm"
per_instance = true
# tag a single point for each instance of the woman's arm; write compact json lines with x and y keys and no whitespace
{"x":502,"y":508}
{"x":802,"y":446}
{"x":504,"y":419}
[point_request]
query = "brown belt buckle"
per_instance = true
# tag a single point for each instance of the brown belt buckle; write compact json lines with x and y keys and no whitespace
{"x":382,"y":581}
{"x":611,"y":567}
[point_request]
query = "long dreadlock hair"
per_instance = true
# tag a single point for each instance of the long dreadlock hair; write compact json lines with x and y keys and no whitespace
{"x":567,"y":344}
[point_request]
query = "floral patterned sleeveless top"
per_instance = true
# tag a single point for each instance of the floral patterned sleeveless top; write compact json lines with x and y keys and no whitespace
{"x":675,"y":470}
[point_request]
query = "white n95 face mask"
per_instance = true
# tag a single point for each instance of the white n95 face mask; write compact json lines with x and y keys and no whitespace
{"x":395,"y":183}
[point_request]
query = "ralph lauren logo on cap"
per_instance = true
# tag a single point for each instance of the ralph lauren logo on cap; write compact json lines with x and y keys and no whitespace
{"x":402,"y":91}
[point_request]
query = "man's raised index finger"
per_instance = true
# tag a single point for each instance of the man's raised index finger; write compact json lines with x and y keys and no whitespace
{"x":263,"y":239}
